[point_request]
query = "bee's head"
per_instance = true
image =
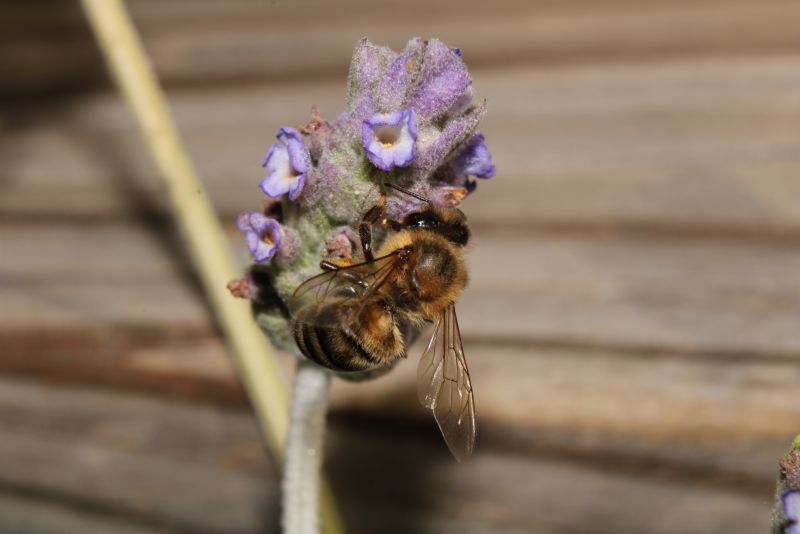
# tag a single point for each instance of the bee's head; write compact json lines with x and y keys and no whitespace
{"x":448,"y":222}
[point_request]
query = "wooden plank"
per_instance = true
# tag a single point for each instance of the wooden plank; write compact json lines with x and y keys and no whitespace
{"x":675,"y":349}
{"x":731,"y":419}
{"x":25,"y":515}
{"x":697,"y":144}
{"x":66,"y":278}
{"x":725,"y":298}
{"x":194,"y":42}
{"x":201,"y":469}
{"x":722,"y":297}
{"x":643,"y":382}
{"x":498,"y":492}
{"x":692,"y":146}
{"x":187,"y":364}
{"x":198,"y":469}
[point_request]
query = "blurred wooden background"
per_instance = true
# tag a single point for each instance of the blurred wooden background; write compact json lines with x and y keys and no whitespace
{"x":632,"y":324}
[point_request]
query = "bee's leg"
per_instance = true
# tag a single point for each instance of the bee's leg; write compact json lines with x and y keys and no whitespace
{"x":328,"y":266}
{"x":407,"y":192}
{"x":394,"y":225}
{"x":365,"y":227}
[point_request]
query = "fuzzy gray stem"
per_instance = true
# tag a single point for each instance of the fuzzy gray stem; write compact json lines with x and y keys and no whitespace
{"x":304,"y":450}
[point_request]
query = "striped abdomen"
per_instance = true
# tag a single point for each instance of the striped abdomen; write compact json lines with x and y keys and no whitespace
{"x":321,"y":336}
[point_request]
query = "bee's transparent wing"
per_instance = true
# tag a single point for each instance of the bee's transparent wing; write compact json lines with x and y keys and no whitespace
{"x":444,"y":386}
{"x":346,"y":285}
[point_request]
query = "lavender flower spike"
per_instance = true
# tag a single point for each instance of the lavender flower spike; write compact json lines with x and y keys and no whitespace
{"x":389,"y":138}
{"x":287,"y":164}
{"x":263,"y":235}
{"x":410,"y":119}
{"x":790,"y":501}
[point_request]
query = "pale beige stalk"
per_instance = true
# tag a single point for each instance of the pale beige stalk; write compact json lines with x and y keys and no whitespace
{"x":205,"y":239}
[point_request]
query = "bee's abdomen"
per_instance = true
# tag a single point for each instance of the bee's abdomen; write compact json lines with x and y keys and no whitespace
{"x":330,"y":346}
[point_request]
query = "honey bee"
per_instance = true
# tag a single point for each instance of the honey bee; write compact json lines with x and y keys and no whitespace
{"x":351,"y":318}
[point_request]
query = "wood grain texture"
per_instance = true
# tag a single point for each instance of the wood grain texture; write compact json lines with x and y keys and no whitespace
{"x":630,"y":323}
{"x":608,"y":331}
{"x":42,"y":516}
{"x":195,"y":469}
{"x":200,"y":469}
{"x":47,"y":45}
{"x":701,"y":145}
{"x":723,"y":297}
{"x":504,"y":493}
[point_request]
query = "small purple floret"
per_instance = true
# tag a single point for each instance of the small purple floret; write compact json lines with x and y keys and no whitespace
{"x":791,"y":510}
{"x":287,"y":163}
{"x":475,"y":159}
{"x":263,"y":235}
{"x":389,"y":139}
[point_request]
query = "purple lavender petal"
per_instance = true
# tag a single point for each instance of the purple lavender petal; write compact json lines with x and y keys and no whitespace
{"x":298,"y":154}
{"x":791,"y":505}
{"x":385,"y":119}
{"x":268,"y":154}
{"x":279,"y":175}
{"x":481,"y":163}
{"x":404,"y":153}
{"x":274,"y":229}
{"x":259,"y":223}
{"x":250,"y":236}
{"x":262,"y":252}
{"x":388,"y":139}
{"x":253,"y":243}
{"x":243,"y":221}
{"x":475,"y":160}
{"x":263,"y":235}
{"x":379,"y":156}
{"x":296,"y":187}
{"x":411,"y":121}
{"x":268,"y":242}
{"x":287,"y":163}
{"x":442,"y":81}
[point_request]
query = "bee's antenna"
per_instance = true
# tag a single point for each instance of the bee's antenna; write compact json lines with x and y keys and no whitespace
{"x":407,"y":192}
